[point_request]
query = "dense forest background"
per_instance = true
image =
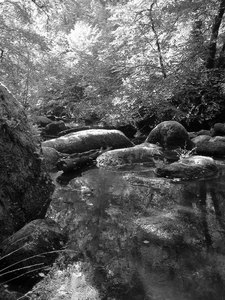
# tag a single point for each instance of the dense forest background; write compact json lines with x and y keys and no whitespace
{"x":116,"y":60}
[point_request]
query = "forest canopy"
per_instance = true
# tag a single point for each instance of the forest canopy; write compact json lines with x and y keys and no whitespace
{"x":118,"y":59}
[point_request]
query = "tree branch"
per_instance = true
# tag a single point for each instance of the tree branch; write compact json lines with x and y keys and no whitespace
{"x":41,"y":6}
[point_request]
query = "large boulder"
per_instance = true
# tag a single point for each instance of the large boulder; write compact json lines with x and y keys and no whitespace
{"x":141,"y":153}
{"x":214,"y":146}
{"x":86,"y":140}
{"x":189,"y":168}
{"x":25,"y":187}
{"x":218,"y":129}
{"x":170,"y":135}
{"x":30,"y":250}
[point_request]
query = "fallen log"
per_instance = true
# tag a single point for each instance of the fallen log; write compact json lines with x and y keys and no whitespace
{"x":79,"y":161}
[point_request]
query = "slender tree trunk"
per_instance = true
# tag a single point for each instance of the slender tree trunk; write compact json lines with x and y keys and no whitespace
{"x":210,"y":62}
{"x":163,"y":70}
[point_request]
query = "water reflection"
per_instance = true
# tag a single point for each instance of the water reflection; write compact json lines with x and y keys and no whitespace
{"x":145,"y":237}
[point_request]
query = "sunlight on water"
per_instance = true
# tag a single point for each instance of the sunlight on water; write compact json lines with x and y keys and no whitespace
{"x":146,"y":237}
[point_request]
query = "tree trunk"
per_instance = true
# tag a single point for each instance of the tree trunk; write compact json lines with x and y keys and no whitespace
{"x":210,"y":63}
{"x":157,"y":41}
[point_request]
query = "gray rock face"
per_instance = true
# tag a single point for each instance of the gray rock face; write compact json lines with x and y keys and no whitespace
{"x":31,"y":248}
{"x":200,"y":138}
{"x":204,"y":132}
{"x":218,"y":129}
{"x":205,"y":145}
{"x":51,"y":157}
{"x":25,"y":187}
{"x":141,"y":153}
{"x":86,"y":140}
{"x":189,"y":168}
{"x":170,"y":135}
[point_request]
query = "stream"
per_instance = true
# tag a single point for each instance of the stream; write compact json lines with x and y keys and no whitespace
{"x":145,"y":237}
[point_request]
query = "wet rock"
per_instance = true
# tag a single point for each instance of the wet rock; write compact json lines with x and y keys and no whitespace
{"x":170,"y":135}
{"x":171,"y":228}
{"x":41,"y":121}
{"x":204,"y":132}
{"x":189,"y":168}
{"x":51,"y":157}
{"x":192,"y":134}
{"x":26,"y":189}
{"x":218,"y":129}
{"x":81,"y":128}
{"x":200,"y":138}
{"x":54,"y":128}
{"x":173,"y":246}
{"x":27,"y":252}
{"x":211,"y":147}
{"x":217,"y":139}
{"x":138,"y":154}
{"x":89,"y":139}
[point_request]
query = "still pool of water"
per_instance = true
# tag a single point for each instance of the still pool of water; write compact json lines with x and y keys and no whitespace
{"x":146,"y":237}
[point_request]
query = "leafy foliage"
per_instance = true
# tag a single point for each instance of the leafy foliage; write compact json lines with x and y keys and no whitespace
{"x":123,"y":55}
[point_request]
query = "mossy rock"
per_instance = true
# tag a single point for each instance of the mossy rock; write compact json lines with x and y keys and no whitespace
{"x":25,"y":186}
{"x":146,"y":152}
{"x":170,"y":135}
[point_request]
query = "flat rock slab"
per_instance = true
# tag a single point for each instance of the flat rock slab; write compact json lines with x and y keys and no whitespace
{"x":189,"y":168}
{"x":86,"y":140}
{"x":141,"y":153}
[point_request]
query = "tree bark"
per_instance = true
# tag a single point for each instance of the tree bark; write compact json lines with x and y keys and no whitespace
{"x":210,"y":63}
{"x":157,"y":41}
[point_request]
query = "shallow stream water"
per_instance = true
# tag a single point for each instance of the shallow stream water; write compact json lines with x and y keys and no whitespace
{"x":146,"y":237}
